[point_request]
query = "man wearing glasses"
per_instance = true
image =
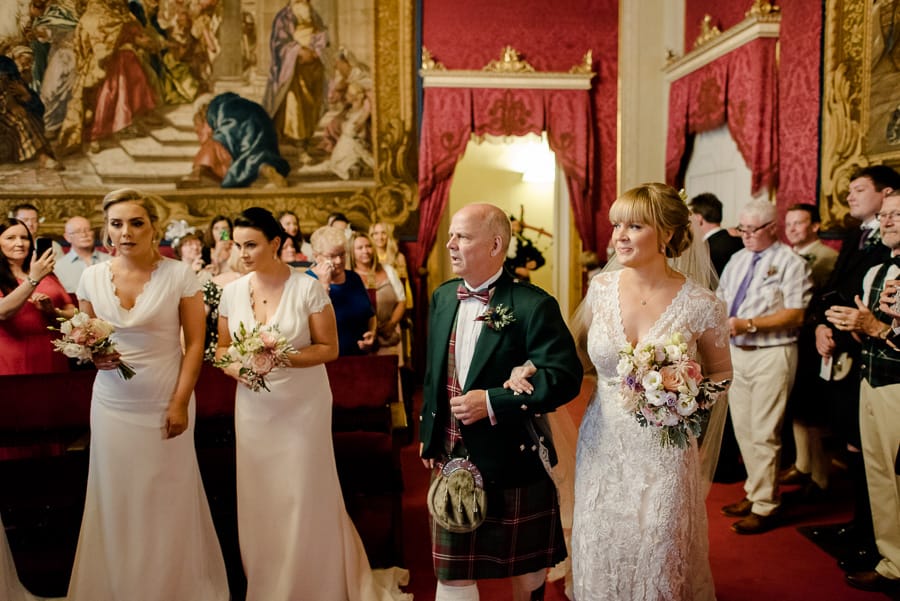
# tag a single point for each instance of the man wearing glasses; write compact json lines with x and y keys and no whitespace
{"x":82,"y":253}
{"x":767,"y":287}
{"x":879,"y":400}
{"x":860,"y":251}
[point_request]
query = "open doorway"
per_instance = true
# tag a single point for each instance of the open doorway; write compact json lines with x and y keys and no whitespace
{"x":521,"y":176}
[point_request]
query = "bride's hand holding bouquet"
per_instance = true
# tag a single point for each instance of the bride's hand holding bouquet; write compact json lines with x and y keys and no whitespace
{"x":666,"y":389}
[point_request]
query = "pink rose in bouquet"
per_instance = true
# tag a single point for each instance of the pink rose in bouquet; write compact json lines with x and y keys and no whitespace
{"x":258,"y":352}
{"x":83,"y":336}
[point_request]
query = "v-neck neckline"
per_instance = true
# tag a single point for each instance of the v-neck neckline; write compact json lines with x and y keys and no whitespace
{"x":137,"y":299}
{"x":659,"y":319}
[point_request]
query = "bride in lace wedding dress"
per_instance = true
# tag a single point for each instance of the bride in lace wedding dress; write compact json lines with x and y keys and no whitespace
{"x":640,"y":528}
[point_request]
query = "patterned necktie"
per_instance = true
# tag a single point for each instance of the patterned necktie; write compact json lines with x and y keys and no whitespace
{"x":483,"y":296}
{"x":745,"y":285}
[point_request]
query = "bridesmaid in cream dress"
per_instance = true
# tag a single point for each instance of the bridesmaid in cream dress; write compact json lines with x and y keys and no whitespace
{"x":297,"y":541}
{"x":147,"y":533}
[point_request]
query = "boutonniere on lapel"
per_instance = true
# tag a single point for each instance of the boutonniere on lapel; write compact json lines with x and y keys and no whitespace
{"x":874,"y":239}
{"x":808,"y":257}
{"x":497,"y":318}
{"x":772,"y":271}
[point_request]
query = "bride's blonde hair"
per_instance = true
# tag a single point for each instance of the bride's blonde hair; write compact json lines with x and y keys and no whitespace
{"x":661,"y":207}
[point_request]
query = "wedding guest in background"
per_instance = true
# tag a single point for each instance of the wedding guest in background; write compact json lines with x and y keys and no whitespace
{"x":289,"y":253}
{"x":147,"y":533}
{"x":82,"y":253}
{"x":356,"y":320}
{"x":706,"y":214}
{"x":189,"y":250}
{"x":809,"y":423}
{"x":640,"y":528}
{"x":31,"y":217}
{"x":217,"y":244}
{"x":861,"y":249}
{"x":523,"y":256}
{"x":31,"y":299}
{"x":212,"y":295}
{"x":470,"y":414}
{"x":706,"y":217}
{"x":288,"y":493}
{"x":291,"y":224}
{"x":390,"y":299}
{"x":879,"y":405}
{"x":767,"y":288}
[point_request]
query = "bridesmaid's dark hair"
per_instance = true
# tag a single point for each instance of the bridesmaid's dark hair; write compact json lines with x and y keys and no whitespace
{"x":258,"y":218}
{"x":8,"y":281}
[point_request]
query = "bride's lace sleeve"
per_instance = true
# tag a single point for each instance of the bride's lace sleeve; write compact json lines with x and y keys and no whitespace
{"x":712,"y":344}
{"x":715,"y":360}
{"x":581,"y":319}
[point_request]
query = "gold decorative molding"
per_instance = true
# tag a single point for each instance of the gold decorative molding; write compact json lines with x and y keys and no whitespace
{"x":751,"y":28}
{"x":428,"y":62}
{"x":846,"y":112}
{"x":586,"y":66}
{"x":510,"y":62}
{"x":391,"y":195}
{"x":763,"y":10}
{"x":708,"y":32}
{"x":509,"y":72}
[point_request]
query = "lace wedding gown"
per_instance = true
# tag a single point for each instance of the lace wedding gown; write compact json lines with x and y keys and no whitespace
{"x":640,"y":529}
{"x":297,"y":541}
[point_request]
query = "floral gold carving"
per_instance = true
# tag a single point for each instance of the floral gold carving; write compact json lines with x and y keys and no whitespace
{"x":843,"y":99}
{"x":763,"y":10}
{"x":428,"y":62}
{"x":509,"y":62}
{"x":586,"y":66}
{"x":708,"y":32}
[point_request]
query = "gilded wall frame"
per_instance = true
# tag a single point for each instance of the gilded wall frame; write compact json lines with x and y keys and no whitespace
{"x":860,"y":105}
{"x":390,"y":195}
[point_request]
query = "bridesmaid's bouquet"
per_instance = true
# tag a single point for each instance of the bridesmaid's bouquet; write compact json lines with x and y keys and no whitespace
{"x":83,"y":336}
{"x":665,"y":389}
{"x":259,"y":351}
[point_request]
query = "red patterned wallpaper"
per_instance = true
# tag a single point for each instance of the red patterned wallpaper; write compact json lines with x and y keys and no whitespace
{"x":798,"y":126}
{"x":724,"y":13}
{"x":468,"y":34}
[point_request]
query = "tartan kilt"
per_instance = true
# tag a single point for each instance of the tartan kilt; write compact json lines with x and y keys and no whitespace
{"x":521,"y":533}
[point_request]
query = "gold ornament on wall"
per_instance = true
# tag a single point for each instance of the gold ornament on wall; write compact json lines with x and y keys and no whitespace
{"x":860,"y":111}
{"x":708,"y":32}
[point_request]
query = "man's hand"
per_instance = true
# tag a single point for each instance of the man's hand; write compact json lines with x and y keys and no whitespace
{"x":428,"y":463}
{"x":824,"y":341}
{"x":889,"y":296}
{"x":470,"y":407}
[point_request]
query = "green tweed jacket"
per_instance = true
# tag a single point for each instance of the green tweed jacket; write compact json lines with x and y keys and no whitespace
{"x":503,"y":452}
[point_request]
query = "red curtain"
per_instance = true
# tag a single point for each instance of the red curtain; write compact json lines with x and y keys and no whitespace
{"x":740,"y":89}
{"x":451,"y":115}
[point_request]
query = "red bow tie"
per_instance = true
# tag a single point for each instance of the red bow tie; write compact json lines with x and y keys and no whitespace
{"x":484,"y":296}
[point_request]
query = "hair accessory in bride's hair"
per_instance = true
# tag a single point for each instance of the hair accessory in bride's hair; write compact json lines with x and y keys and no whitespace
{"x":682,"y":194}
{"x":176,"y":230}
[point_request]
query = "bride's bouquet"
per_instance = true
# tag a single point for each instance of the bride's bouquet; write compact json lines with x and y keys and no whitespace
{"x":665,"y":389}
{"x":84,"y":336}
{"x":259,"y":351}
